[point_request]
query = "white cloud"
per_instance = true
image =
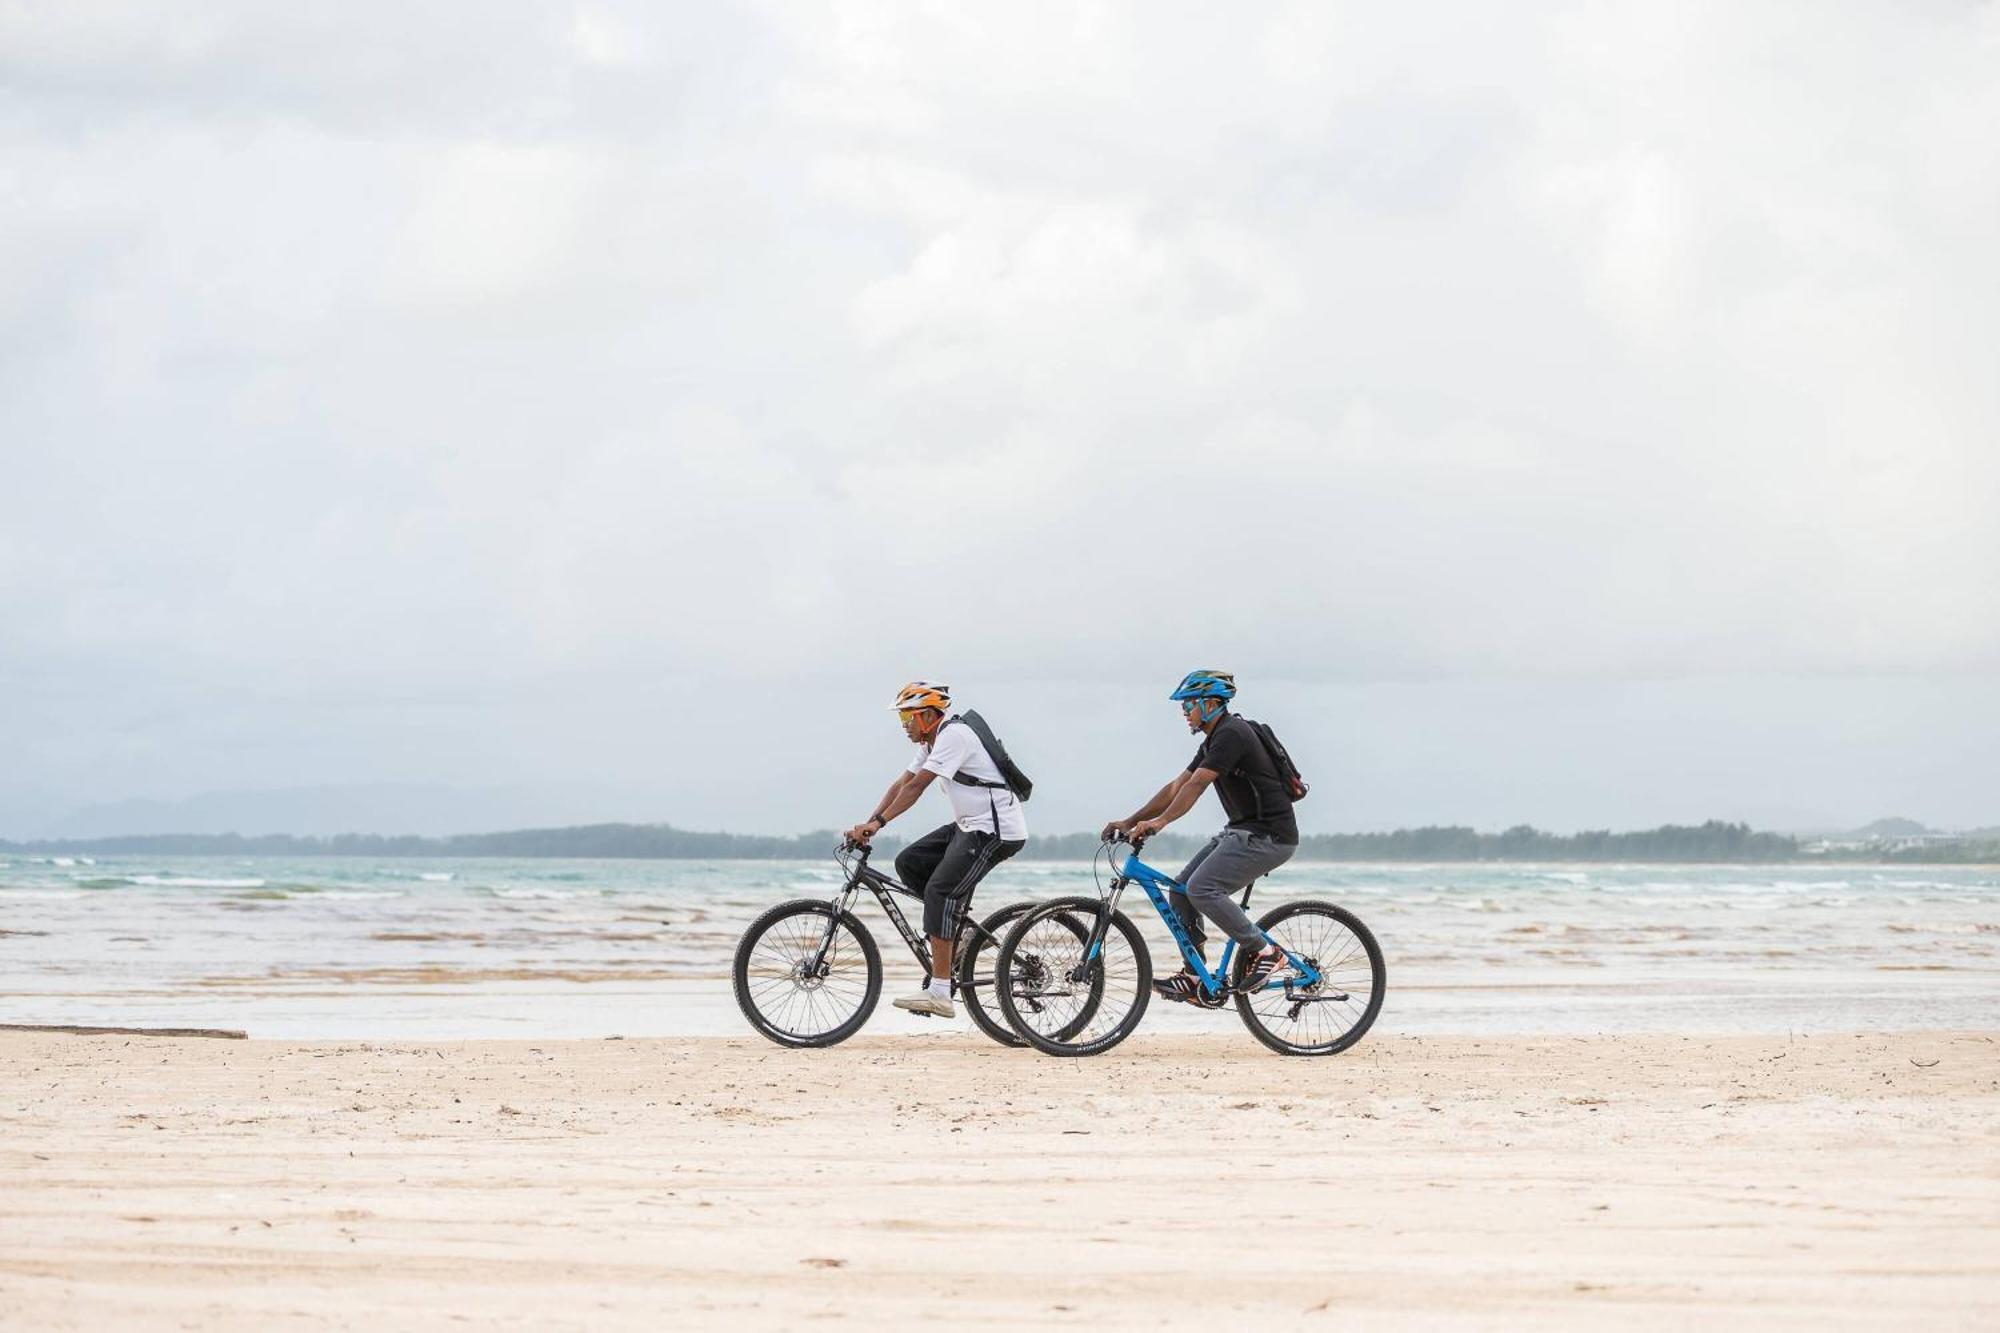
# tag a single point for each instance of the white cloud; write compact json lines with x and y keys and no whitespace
{"x":809,"y":341}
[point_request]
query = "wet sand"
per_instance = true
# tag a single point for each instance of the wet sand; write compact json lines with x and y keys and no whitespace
{"x":938,"y":1181}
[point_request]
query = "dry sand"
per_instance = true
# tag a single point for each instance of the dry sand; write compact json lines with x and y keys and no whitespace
{"x":933,"y":1183}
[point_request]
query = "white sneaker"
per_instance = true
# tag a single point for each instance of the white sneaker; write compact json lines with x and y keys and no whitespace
{"x":923,"y":1002}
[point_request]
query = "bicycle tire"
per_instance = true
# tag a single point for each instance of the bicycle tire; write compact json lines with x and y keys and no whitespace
{"x":989,"y":934}
{"x":1074,"y":1038}
{"x":1265,"y":1013}
{"x":767,"y":989}
{"x":974,"y":941}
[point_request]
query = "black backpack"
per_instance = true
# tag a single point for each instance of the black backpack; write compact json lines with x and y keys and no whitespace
{"x":1015,"y":780}
{"x":1296,"y":786}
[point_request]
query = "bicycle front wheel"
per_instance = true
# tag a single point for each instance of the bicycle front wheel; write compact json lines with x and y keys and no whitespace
{"x":978,"y":971}
{"x":1062,"y":997}
{"x":1332,"y":1013}
{"x":806,"y":974}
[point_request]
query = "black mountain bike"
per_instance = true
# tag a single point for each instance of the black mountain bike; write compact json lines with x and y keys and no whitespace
{"x":807,"y":972}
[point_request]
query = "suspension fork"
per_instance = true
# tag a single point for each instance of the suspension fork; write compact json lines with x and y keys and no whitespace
{"x":841,"y":903}
{"x":1094,"y":945}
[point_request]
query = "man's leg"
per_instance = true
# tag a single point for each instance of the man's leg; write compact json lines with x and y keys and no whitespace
{"x":915,"y":865}
{"x":1190,"y":919}
{"x":1184,"y":986}
{"x":916,"y":862}
{"x":950,"y":888}
{"x":967,"y":857}
{"x":1236,"y":858}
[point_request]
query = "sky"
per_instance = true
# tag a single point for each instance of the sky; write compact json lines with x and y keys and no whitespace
{"x":465,"y":416}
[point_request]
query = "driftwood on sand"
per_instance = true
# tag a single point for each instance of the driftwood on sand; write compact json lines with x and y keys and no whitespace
{"x":231,"y":1034}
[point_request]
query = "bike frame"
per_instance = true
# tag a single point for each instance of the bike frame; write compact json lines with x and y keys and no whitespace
{"x":885,"y":887}
{"x":1127,"y":868}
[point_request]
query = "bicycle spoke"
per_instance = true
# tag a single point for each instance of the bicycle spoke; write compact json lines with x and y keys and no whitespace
{"x":1062,"y":996}
{"x":804,"y":982}
{"x":1326,"y":1014}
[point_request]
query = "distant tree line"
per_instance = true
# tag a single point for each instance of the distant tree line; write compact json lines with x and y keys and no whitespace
{"x":1712,"y":841}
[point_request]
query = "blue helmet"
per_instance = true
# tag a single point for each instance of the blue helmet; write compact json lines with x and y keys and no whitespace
{"x":1206,"y":685}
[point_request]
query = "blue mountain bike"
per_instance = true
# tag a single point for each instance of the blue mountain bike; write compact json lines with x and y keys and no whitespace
{"x":1081,"y":995}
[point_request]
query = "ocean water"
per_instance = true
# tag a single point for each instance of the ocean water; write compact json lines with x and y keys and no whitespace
{"x":436,"y":949}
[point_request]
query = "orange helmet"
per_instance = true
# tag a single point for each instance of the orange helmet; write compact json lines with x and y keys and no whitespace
{"x":923,"y":694}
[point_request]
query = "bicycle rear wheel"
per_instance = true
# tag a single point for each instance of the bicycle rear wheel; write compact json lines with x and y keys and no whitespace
{"x":794,"y":992}
{"x":978,"y":971}
{"x":978,"y":947}
{"x":1061,"y":1001}
{"x":1334,"y":1012}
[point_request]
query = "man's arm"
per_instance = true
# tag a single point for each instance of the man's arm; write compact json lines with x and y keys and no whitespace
{"x":907,"y":791}
{"x":1160,"y":800}
{"x":1186,"y":792}
{"x":902,"y":794}
{"x":895,"y":788}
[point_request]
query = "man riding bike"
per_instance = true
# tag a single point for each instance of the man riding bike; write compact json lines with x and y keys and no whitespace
{"x":946,"y":864}
{"x":1261,"y":835}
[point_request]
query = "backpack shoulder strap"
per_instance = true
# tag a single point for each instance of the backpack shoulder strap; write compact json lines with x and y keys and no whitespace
{"x":1256,"y":733}
{"x":977,"y":726}
{"x":1281,"y":759}
{"x":1267,"y":740}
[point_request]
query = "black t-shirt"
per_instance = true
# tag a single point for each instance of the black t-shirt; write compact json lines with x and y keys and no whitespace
{"x":1251,"y":792}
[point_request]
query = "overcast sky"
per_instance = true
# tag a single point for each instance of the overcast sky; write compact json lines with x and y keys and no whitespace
{"x":1578,"y":414}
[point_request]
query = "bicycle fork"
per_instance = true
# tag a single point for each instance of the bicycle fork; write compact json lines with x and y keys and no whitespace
{"x":1098,"y":930}
{"x":841,"y":904}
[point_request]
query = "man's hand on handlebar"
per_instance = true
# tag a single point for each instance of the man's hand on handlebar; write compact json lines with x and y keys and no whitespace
{"x":1134,"y":831}
{"x":862,"y":832}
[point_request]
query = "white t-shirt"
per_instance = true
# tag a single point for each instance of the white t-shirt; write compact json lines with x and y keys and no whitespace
{"x":957,"y":750}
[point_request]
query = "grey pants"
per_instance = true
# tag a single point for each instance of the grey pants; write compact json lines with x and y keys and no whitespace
{"x":1217,"y":874}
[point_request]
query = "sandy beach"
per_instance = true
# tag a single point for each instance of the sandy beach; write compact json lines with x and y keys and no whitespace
{"x":913,"y":1182}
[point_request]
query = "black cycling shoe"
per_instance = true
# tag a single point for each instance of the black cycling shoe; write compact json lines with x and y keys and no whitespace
{"x":1181,"y":988}
{"x":1267,"y":964}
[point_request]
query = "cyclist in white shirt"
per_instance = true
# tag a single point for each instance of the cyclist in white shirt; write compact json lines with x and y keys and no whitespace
{"x":946,"y":864}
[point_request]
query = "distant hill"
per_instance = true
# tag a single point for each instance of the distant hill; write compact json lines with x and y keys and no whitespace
{"x":1892,"y":827}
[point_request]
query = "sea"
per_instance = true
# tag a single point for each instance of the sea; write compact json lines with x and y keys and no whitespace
{"x":435,"y":949}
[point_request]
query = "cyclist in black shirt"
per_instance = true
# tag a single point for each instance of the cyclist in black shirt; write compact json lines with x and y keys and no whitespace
{"x":1262,"y":833}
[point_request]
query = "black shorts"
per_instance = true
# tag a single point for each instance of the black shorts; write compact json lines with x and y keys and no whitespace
{"x":946,"y":865}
